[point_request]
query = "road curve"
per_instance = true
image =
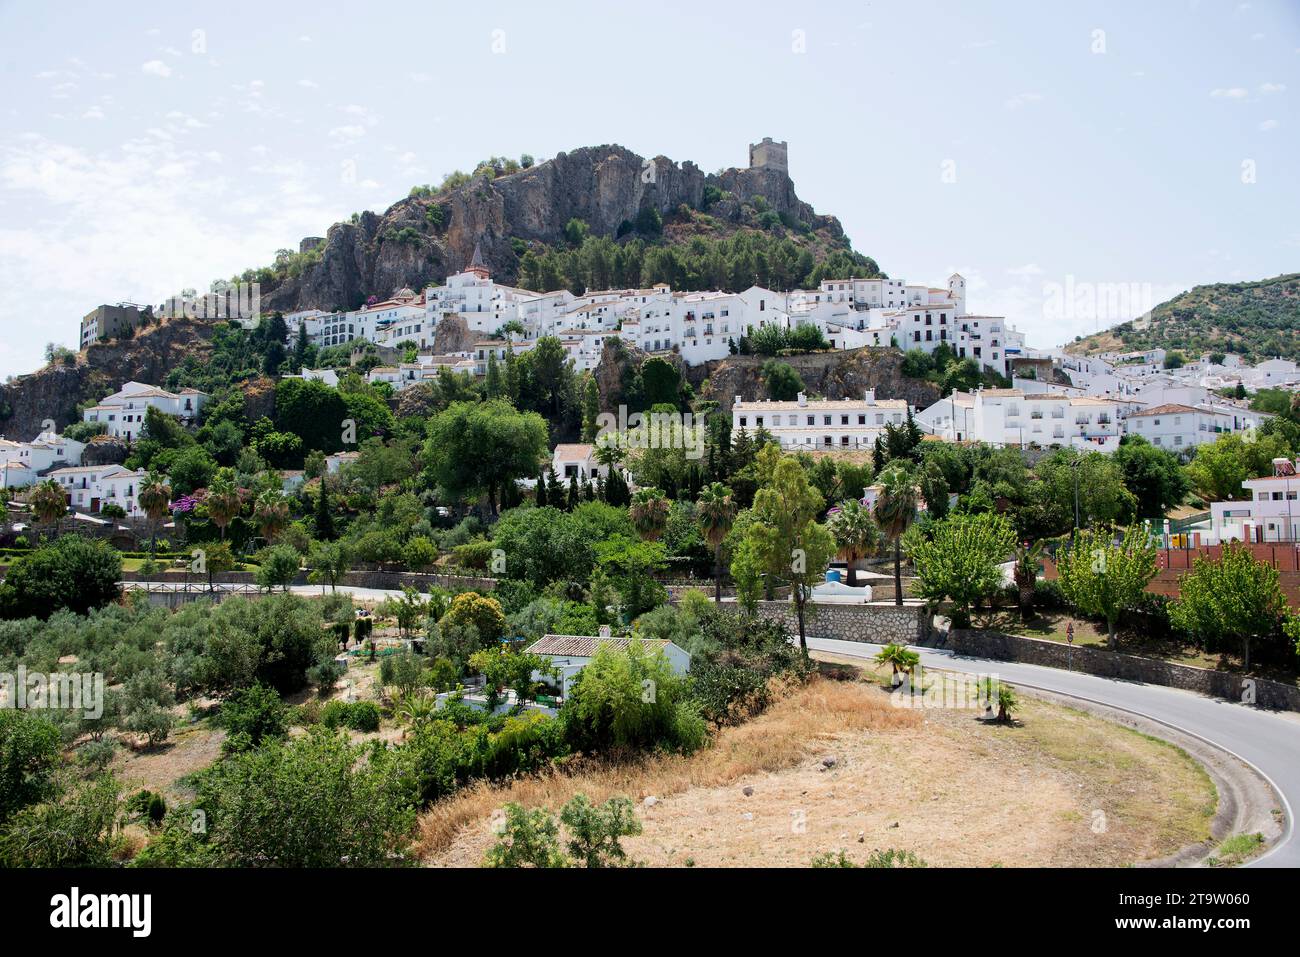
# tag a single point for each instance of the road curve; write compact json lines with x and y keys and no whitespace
{"x":1269,"y":741}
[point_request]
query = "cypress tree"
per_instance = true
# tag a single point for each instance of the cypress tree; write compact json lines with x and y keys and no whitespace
{"x":324,"y":520}
{"x":541,"y":490}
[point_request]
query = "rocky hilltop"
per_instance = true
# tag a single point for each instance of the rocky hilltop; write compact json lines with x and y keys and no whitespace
{"x":425,"y":237}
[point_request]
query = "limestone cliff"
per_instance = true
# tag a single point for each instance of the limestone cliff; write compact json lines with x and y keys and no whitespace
{"x":420,"y":240}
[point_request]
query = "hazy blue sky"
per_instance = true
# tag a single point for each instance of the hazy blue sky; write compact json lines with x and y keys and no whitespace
{"x":146,"y":146}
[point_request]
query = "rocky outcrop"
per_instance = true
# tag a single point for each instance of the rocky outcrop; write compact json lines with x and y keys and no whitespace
{"x":420,"y":240}
{"x":55,"y":391}
{"x":105,"y":450}
{"x":840,"y":374}
{"x":452,"y":335}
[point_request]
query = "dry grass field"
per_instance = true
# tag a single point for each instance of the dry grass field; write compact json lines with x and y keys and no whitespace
{"x":834,"y":765}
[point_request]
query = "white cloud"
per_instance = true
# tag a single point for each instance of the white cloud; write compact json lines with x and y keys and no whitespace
{"x":1268,"y":89}
{"x":137,"y":222}
{"x":156,"y":68}
{"x":1022,"y":100}
{"x":1268,"y":125}
{"x":94,"y":113}
{"x":1229,"y":93}
{"x":308,"y":84}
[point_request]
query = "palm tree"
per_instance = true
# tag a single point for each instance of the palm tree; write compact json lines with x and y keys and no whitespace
{"x":896,"y":511}
{"x":1026,"y":574}
{"x":899,"y":658}
{"x":717,"y":512}
{"x":856,"y":534}
{"x":271,"y":511}
{"x":48,"y":503}
{"x":649,"y":513}
{"x":223,"y":500}
{"x":155,"y":497}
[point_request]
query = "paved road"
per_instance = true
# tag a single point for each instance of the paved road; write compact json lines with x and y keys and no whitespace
{"x":1269,"y":741}
{"x":311,"y":591}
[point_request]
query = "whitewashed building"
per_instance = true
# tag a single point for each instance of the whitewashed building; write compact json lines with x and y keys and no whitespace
{"x":1004,"y":417}
{"x":90,"y":487}
{"x":123,"y":412}
{"x":1271,"y":513}
{"x":1182,"y":427}
{"x":569,"y":654}
{"x":811,"y":424}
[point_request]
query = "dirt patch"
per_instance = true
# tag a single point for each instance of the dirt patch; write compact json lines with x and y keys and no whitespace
{"x":1062,"y":788}
{"x":189,"y":748}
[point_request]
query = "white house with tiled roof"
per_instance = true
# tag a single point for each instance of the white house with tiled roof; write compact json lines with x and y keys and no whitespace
{"x":90,"y":487}
{"x":123,"y":412}
{"x":1182,"y":427}
{"x":569,"y":654}
{"x":820,"y":423}
{"x":38,"y":456}
{"x":577,"y":460}
{"x":1014,"y":417}
{"x":336,"y":460}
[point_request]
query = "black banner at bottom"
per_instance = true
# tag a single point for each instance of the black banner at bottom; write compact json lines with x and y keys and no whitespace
{"x":147,"y":908}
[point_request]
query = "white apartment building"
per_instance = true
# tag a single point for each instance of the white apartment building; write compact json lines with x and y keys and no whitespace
{"x":90,"y":487}
{"x":1270,"y":514}
{"x":24,"y":462}
{"x":483,"y":304}
{"x":123,"y":412}
{"x":1182,"y":427}
{"x":1004,"y":417}
{"x":810,"y":424}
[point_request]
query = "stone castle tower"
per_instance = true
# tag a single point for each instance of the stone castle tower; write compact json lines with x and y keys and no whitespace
{"x":769,"y":155}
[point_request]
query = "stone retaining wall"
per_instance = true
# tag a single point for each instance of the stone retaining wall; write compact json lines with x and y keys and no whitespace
{"x":880,"y":624}
{"x":1109,"y":664}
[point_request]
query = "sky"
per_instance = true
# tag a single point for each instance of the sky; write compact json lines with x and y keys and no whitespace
{"x":1077,"y":164}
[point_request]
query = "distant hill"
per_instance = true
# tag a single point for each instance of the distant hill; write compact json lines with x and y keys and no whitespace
{"x":1258,"y":320}
{"x":597,"y":217}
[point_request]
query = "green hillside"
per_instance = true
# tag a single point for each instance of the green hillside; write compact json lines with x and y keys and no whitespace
{"x":1258,"y":320}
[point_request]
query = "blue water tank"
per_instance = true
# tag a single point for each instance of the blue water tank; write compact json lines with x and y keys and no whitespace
{"x":833,"y":575}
